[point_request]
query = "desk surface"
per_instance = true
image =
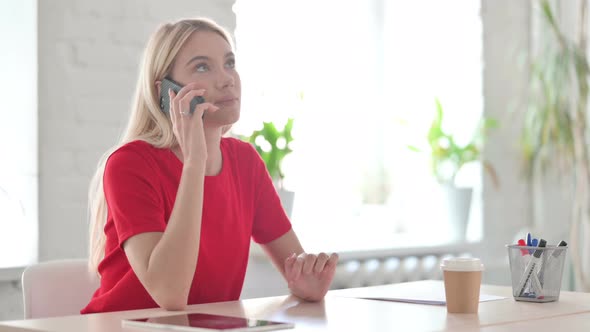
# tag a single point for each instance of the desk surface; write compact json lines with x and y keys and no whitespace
{"x":339,"y":313}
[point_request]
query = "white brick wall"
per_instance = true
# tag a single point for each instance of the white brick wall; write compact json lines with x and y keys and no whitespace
{"x":88,"y":60}
{"x":89,"y":55}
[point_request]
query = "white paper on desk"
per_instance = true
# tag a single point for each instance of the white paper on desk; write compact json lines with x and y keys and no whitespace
{"x":422,"y":293}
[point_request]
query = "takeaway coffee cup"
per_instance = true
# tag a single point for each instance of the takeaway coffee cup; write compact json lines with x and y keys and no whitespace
{"x":462,"y":278}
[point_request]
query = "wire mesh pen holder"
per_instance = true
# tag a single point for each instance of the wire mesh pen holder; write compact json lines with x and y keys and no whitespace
{"x":536,"y":272}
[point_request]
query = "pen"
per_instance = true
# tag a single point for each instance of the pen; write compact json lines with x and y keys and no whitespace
{"x":529,"y":272}
{"x":547,"y":264}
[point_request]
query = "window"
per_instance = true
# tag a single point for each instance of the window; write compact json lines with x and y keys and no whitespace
{"x":369,"y":73}
{"x":18,"y":133}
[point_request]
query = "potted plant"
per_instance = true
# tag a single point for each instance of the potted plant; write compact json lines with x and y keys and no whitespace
{"x":555,"y":134}
{"x":447,"y":158}
{"x":273,"y":145}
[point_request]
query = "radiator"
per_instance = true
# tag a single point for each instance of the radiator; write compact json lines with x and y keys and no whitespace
{"x":359,"y":268}
{"x":393,"y":266}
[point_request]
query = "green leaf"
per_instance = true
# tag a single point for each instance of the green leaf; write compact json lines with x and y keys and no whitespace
{"x":445,"y":151}
{"x":271,"y":134}
{"x":413,"y":148}
{"x":558,"y":101}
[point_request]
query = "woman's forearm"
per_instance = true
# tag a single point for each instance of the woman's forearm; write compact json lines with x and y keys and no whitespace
{"x":172,"y":263}
{"x":281,"y":248}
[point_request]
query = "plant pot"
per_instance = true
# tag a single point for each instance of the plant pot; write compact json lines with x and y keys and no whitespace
{"x":457,"y":203}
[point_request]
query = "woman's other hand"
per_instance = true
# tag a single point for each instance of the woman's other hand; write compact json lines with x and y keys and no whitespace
{"x":309,"y":276}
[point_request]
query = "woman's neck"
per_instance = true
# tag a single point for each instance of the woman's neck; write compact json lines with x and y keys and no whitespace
{"x":214,"y":157}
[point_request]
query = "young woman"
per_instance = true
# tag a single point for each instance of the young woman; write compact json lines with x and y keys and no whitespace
{"x":175,"y":204}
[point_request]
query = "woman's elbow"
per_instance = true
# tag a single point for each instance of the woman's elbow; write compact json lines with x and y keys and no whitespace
{"x":171,"y":302}
{"x":170,"y":298}
{"x":173,"y":305}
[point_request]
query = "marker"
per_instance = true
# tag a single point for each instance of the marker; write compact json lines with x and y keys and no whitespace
{"x":522,"y":244}
{"x":526,"y":257}
{"x":529,"y":272}
{"x":528,"y":239}
{"x":556,"y":253}
{"x":524,"y":252}
{"x":535,"y":243}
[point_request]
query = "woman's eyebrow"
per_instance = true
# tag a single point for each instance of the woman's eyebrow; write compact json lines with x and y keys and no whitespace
{"x":196,"y":58}
{"x":203,"y":57}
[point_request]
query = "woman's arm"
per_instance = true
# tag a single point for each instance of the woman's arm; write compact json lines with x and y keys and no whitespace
{"x":165,"y":262}
{"x":283,"y":247}
{"x":309,"y":276}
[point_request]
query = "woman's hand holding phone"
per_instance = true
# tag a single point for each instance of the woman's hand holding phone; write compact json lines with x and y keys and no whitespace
{"x":187,"y":127}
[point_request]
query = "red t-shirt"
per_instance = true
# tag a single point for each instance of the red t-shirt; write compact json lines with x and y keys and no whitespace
{"x":140,"y":184}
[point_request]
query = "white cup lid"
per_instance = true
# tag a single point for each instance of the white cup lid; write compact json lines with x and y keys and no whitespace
{"x":461,"y":264}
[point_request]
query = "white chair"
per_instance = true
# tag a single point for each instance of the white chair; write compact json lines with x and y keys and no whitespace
{"x":57,"y":288}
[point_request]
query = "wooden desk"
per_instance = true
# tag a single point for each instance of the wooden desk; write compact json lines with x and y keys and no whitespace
{"x":338,"y":313}
{"x":575,"y":322}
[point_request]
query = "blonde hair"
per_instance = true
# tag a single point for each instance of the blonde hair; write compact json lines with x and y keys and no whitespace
{"x":146,"y":121}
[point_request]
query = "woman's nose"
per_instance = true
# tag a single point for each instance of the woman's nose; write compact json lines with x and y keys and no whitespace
{"x":226,"y":79}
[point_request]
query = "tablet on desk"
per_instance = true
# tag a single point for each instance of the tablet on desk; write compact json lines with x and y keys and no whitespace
{"x":206,"y":322}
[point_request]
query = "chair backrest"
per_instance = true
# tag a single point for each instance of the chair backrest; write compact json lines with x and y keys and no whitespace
{"x":57,"y":288}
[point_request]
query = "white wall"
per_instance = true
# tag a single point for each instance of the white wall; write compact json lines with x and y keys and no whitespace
{"x":18,"y":146}
{"x":515,"y":207}
{"x":506,"y":209}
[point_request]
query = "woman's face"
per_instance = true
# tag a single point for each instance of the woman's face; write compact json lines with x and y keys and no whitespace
{"x":208,"y":60}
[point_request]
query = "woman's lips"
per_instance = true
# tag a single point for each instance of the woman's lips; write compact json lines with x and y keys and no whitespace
{"x":226,"y":101}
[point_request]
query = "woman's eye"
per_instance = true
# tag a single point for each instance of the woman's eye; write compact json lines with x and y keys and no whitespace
{"x":201,"y":67}
{"x":231,"y":63}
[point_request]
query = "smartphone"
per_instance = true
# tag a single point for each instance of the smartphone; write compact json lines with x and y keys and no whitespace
{"x":165,"y":97}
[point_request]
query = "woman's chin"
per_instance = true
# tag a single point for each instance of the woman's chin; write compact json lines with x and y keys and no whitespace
{"x":223,"y":119}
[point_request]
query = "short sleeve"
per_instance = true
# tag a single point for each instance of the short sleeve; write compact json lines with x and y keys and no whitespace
{"x":270,"y":219}
{"x":131,"y":187}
